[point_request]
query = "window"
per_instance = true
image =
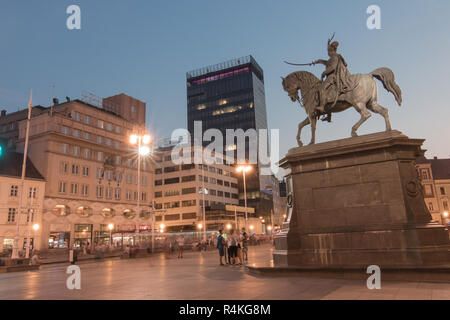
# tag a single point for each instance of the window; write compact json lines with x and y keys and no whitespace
{"x":171,"y":193}
{"x":100,"y":156}
{"x":212,"y":192}
{"x":75,"y":168}
{"x":100,"y":124}
{"x":226,"y":183}
{"x":219,"y":193}
{"x":212,"y":180}
{"x":76,"y":133}
{"x":65,"y":130}
{"x":227,"y":194}
{"x":99,"y":139}
{"x":87,"y":136}
{"x":188,"y":190}
{"x":171,"y":180}
{"x":188,"y":178}
{"x":85,"y":190}
{"x":99,"y":173}
{"x":64,"y":167}
{"x":135,"y":195}
{"x":128,"y":195}
{"x":188,"y":203}
{"x":144,"y":181}
{"x":32,"y":192}
{"x":187,"y":166}
{"x":108,"y":193}
{"x":212,"y":169}
{"x":220,"y":182}
{"x":118,"y":130}
{"x":171,"y":169}
{"x":87,"y":119}
{"x":65,"y":148}
{"x":158,"y":182}
{"x":118,"y":160}
{"x":442,"y":190}
{"x":144,"y":196}
{"x":86,"y":171}
{"x":133,"y":109}
{"x":62,"y":187}
{"x":77,"y":116}
{"x":109,"y":126}
{"x":158,"y":171}
{"x":129,"y":178}
{"x":428,"y":191}
{"x":117,"y":194}
{"x":87,"y":153}
{"x":158,"y":194}
{"x":99,"y":192}
{"x":430,"y":206}
{"x":117,"y":144}
{"x":14,"y":191}
{"x":76,"y":151}
{"x":445,"y":204}
{"x":109,"y":174}
{"x":108,"y":141}
{"x":11,"y":214}
{"x":158,"y":206}
{"x":30,"y":214}
{"x":74,"y":188}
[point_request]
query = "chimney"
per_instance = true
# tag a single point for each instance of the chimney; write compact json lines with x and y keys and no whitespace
{"x":3,"y":113}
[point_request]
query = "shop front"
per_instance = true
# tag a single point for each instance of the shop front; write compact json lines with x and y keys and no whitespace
{"x":82,"y":235}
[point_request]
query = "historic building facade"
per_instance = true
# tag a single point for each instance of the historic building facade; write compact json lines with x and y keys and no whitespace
{"x":91,"y":174}
{"x":435,"y":177}
{"x":32,"y":203}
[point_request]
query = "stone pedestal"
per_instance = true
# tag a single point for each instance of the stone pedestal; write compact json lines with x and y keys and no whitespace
{"x":356,"y":202}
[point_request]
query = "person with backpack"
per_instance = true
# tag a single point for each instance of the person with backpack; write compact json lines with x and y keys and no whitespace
{"x":221,"y":247}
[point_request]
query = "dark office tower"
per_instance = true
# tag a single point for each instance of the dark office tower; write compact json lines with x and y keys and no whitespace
{"x":230,"y":95}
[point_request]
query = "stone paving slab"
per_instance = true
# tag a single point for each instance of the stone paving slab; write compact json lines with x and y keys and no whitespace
{"x":198,"y":276}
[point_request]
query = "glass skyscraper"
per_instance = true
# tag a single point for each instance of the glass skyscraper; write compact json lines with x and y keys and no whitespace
{"x":230,"y":95}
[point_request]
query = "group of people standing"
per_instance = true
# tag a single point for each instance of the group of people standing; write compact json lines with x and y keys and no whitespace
{"x":233,"y":247}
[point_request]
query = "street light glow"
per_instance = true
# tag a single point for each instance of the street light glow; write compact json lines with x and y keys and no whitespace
{"x":146,"y":139}
{"x":445,"y":214}
{"x":144,"y":150}
{"x":252,"y":227}
{"x":35,"y":227}
{"x":133,"y":139}
{"x":110,"y":226}
{"x":269,"y":228}
{"x":161,"y":226}
{"x":228,"y":226}
{"x":199,"y":226}
{"x":243,"y":168}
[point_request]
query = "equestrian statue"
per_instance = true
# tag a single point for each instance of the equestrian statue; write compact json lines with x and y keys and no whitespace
{"x":338,"y":90}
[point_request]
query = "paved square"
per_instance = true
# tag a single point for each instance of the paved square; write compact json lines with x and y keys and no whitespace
{"x":198,"y":276}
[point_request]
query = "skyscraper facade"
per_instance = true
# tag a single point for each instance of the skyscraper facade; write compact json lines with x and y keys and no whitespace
{"x":230,"y":95}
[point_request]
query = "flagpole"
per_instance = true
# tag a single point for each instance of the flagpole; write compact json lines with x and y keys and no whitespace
{"x":15,"y":251}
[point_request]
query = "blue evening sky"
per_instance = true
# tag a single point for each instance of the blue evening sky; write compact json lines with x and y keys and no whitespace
{"x":144,"y":48}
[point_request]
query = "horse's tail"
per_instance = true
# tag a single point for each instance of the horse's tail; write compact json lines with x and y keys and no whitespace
{"x":387,"y":78}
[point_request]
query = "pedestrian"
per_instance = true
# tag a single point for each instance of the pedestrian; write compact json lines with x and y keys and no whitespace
{"x":180,"y":243}
{"x":35,"y":258}
{"x":244,"y":242}
{"x":232,"y":247}
{"x":220,"y":246}
{"x":225,"y":247}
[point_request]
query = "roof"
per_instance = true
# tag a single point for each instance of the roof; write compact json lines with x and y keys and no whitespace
{"x":11,"y":165}
{"x":224,"y":66}
{"x":439,"y":167}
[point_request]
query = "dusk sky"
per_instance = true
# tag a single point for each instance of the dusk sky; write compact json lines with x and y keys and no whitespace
{"x":145,"y":48}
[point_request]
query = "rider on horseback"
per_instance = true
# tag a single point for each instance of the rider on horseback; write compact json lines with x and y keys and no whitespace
{"x":337,"y":76}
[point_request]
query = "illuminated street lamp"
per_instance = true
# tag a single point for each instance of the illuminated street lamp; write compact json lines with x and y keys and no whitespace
{"x":142,"y":141}
{"x":200,"y":226}
{"x":244,"y":169}
{"x":228,"y":226}
{"x":252,"y":227}
{"x":110,"y":227}
{"x":35,"y":227}
{"x":445,"y":214}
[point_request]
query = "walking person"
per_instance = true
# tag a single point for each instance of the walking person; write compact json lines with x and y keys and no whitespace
{"x":180,"y":242}
{"x":225,"y":247}
{"x":220,"y":246}
{"x":244,"y":242}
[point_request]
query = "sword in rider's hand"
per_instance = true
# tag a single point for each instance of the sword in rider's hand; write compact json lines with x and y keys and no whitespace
{"x":301,"y":64}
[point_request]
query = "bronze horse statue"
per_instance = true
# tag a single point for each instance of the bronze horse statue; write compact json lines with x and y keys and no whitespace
{"x":363,"y":97}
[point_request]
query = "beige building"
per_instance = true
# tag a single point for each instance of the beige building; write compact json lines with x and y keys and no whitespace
{"x":32,"y":203}
{"x":179,"y":199}
{"x":91,"y":174}
{"x":435,"y":177}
